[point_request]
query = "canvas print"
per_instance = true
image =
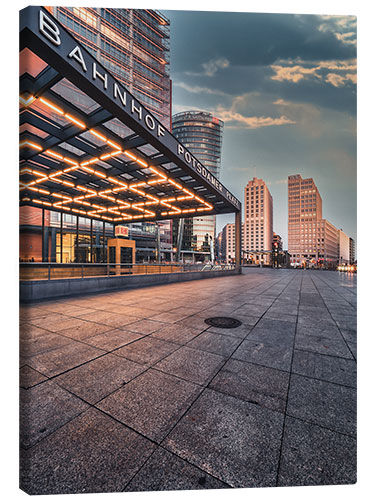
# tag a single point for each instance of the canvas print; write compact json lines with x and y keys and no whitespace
{"x":187,"y":250}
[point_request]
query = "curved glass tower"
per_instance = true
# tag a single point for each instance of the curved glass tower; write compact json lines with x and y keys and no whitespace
{"x":202,"y":134}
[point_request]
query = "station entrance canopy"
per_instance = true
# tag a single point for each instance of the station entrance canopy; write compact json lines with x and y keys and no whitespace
{"x":89,"y":148}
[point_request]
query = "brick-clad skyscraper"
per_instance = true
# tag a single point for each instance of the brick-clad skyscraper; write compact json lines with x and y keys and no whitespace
{"x":258,"y":229}
{"x":311,"y":239}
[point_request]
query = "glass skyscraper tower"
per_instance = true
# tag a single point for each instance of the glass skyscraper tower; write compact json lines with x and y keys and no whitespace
{"x":133,"y":45}
{"x":202,"y":134}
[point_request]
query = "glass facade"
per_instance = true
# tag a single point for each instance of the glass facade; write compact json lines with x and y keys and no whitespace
{"x":202,"y":134}
{"x":134,"y":46}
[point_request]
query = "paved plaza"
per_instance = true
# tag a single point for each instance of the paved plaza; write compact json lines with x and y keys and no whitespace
{"x":133,"y":391}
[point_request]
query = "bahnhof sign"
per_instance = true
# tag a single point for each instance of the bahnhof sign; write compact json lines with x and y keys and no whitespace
{"x":103,"y":155}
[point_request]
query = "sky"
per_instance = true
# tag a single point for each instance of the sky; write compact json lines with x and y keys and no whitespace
{"x":285,"y":87}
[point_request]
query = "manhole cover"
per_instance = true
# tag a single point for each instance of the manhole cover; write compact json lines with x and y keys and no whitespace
{"x":223,"y":322}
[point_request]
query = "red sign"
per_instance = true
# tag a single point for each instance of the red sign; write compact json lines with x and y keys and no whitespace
{"x":122,"y":231}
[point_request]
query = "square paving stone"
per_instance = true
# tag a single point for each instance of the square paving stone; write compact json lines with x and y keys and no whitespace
{"x":311,"y":299}
{"x":323,"y":345}
{"x":43,"y":409}
{"x":280,"y":316}
{"x":145,"y":326}
{"x":239,"y":332}
{"x":270,"y":331}
{"x":193,"y":365}
{"x":314,"y":456}
{"x":216,"y":343}
{"x":329,"y":368}
{"x":315,"y":320}
{"x":261,"y":353}
{"x":91,"y":454}
{"x":318,"y":402}
{"x":112,"y":339}
{"x":28,"y":331}
{"x":164,"y":471}
{"x":64,"y":358}
{"x":328,"y":331}
{"x":167,"y":317}
{"x":233,"y":440}
{"x":47,"y":319}
{"x":147,"y":350}
{"x":64,"y":324}
{"x":194,"y":322}
{"x":257,"y":384}
{"x":110,"y":318}
{"x":349,"y":335}
{"x":85,"y":330}
{"x":37,"y":344}
{"x":98,"y":378}
{"x":29,"y":377}
{"x":152,"y":403}
{"x":179,"y":334}
{"x":347,"y":323}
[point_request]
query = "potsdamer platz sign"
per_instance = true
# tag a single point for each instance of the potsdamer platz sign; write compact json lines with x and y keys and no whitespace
{"x":76,"y":159}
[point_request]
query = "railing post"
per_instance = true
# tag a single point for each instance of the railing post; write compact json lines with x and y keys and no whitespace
{"x":49,"y":271}
{"x":82,"y":271}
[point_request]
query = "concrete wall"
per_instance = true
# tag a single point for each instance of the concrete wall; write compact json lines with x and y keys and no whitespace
{"x":43,"y":289}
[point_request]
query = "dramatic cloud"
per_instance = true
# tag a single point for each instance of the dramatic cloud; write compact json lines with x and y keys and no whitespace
{"x":285,"y":87}
{"x":211,"y":67}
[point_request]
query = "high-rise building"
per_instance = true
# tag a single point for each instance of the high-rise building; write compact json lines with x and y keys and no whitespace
{"x":202,"y":133}
{"x":352,"y":251}
{"x":228,"y":242}
{"x":133,"y":45}
{"x":312,"y":240}
{"x":343,"y":249}
{"x":258,"y":232}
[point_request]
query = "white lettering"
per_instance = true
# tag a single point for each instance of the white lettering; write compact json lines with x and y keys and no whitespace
{"x":138,"y":110}
{"x":49,"y":28}
{"x":95,"y":73}
{"x":187,"y":156}
{"x":77,"y":55}
{"x":117,"y":93}
{"x":180,"y":149}
{"x":161,"y":131}
{"x":150,"y":122}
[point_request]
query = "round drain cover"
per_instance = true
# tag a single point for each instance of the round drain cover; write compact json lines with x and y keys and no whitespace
{"x":223,"y":322}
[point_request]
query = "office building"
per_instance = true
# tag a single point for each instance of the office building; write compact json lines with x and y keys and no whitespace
{"x":228,"y":242}
{"x":202,"y":133}
{"x":312,"y":240}
{"x":352,"y":251}
{"x":133,"y":45}
{"x":258,"y":228}
{"x":343,"y":247}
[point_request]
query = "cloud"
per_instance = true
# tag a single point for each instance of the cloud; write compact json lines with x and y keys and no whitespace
{"x":292,"y":73}
{"x":197,"y":89}
{"x":211,"y":67}
{"x":234,"y":119}
{"x":296,"y":73}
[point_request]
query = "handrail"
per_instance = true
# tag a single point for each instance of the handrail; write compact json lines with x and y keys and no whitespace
{"x":55,"y":270}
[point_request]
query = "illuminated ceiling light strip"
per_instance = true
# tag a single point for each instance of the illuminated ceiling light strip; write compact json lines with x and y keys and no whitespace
{"x":31,"y":145}
{"x":141,"y":162}
{"x":28,"y":101}
{"x":130,"y":155}
{"x":113,"y":144}
{"x":162,"y":176}
{"x":75,"y":121}
{"x":52,"y":106}
{"x":99,"y":136}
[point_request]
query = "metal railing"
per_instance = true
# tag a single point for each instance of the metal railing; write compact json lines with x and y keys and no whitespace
{"x":53,"y":270}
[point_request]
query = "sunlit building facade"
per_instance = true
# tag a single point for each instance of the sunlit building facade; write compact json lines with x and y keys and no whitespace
{"x":133,"y":45}
{"x":312,"y":240}
{"x":258,"y":232}
{"x":202,"y":133}
{"x":228,"y":242}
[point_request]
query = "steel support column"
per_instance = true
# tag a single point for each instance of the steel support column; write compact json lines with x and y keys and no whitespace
{"x":238,"y":233}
